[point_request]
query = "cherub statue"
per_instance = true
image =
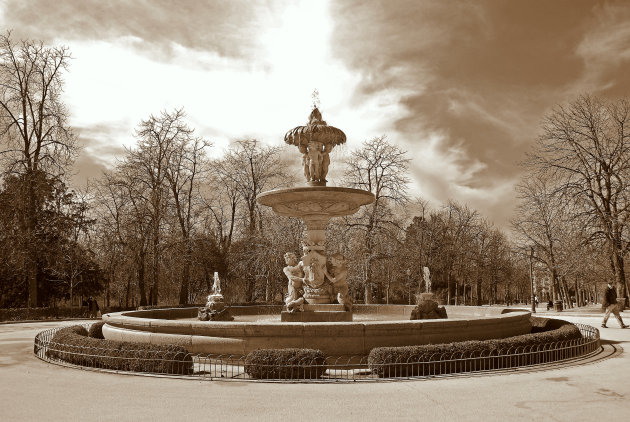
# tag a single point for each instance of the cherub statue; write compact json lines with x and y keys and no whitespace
{"x":295,"y":274}
{"x":338,"y":274}
{"x":305,"y":161}
{"x":315,"y":160}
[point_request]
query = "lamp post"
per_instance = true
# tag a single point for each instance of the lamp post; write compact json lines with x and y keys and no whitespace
{"x":531,"y":277}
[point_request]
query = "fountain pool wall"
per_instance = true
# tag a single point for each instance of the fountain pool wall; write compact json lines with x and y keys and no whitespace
{"x":169,"y":326}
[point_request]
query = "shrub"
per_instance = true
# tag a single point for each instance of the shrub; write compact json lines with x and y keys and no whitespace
{"x":285,"y":364}
{"x":465,"y":356}
{"x":96,"y":330}
{"x":72,"y":345}
{"x":23,"y":314}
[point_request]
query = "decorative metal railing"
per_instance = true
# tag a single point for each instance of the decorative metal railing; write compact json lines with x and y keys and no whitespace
{"x":333,"y":369}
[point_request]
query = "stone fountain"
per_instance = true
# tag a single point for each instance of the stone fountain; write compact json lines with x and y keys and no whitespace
{"x":317,"y":280}
{"x":215,"y":309}
{"x":311,"y":318}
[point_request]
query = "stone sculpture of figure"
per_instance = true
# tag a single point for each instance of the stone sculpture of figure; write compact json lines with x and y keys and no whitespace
{"x":315,"y":160}
{"x":338,"y":277}
{"x":294,"y":273}
{"x":316,"y":288}
{"x":216,"y":286}
{"x":314,"y":266}
{"x":427,"y":279}
{"x":325,"y":161}
{"x":305,"y":162}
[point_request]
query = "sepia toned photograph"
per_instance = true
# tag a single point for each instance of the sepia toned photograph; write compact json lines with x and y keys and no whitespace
{"x":243,"y":210}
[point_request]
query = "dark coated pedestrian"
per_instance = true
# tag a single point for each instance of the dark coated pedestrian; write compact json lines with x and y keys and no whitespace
{"x":610,"y":304}
{"x":92,"y":307}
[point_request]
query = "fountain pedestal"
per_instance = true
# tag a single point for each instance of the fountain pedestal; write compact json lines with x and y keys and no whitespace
{"x":315,"y":205}
{"x":313,"y":280}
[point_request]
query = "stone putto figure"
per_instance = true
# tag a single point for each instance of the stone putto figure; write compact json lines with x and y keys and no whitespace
{"x":338,"y":277}
{"x":295,"y":274}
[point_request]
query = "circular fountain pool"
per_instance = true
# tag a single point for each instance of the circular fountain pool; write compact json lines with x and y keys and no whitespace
{"x":259,"y":327}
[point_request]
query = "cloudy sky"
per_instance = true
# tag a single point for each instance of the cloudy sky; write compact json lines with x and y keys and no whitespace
{"x":461,"y":85}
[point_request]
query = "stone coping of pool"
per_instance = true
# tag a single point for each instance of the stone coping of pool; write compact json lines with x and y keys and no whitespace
{"x":163,"y":326}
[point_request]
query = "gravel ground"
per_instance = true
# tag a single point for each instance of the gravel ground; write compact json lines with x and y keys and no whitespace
{"x":34,"y":390}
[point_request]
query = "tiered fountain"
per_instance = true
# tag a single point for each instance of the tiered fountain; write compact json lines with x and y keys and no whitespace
{"x":310,"y":317}
{"x":317,"y":280}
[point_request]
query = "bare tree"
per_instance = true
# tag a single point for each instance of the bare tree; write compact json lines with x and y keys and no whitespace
{"x":183,"y":173}
{"x":586,"y":146}
{"x":159,"y":140}
{"x":381,"y":168}
{"x":251,"y":169}
{"x":33,"y":127}
{"x":540,"y":220}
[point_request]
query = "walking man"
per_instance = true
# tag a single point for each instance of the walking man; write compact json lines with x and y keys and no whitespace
{"x":610,"y":304}
{"x":92,"y":307}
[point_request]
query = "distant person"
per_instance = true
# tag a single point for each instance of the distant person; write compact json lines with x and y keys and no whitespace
{"x":549,"y":305}
{"x":610,"y":304}
{"x":92,"y":307}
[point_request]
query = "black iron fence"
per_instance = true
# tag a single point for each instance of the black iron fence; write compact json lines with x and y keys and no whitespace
{"x":332,"y":369}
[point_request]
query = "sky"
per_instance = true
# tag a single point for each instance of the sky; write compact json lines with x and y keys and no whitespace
{"x":461,"y":86}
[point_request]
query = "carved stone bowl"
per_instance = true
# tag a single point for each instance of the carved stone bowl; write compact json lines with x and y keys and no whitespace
{"x":315,"y":200}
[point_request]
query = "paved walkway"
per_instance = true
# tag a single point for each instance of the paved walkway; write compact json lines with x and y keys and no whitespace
{"x":34,"y":390}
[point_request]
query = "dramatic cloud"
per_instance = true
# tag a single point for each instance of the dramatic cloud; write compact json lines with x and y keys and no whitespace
{"x":226,"y":28}
{"x":461,"y":85}
{"x":476,"y":78}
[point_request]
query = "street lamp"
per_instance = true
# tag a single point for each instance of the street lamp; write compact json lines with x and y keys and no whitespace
{"x":531,"y":277}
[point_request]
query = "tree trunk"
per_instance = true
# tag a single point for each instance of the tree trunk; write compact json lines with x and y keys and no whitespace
{"x":31,"y":252}
{"x":141,"y":285}
{"x":155,"y":271}
{"x":184,"y":288}
{"x":128,"y":292}
{"x":620,"y":274}
{"x":567,"y":293}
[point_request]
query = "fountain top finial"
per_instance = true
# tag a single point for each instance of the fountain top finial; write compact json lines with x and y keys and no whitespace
{"x":315,"y":141}
{"x":316,"y":130}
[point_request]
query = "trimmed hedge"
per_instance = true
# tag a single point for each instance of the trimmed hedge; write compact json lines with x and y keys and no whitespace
{"x":432,"y":359}
{"x":25,"y":314}
{"x":72,"y":345}
{"x":285,"y":364}
{"x":96,"y":330}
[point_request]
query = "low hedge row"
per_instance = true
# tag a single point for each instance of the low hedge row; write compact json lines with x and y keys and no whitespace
{"x":72,"y":345}
{"x":25,"y":314}
{"x":433,"y":359}
{"x":285,"y":364}
{"x":96,"y":330}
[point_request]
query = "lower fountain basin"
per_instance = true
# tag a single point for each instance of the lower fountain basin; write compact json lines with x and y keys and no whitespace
{"x":178,"y":326}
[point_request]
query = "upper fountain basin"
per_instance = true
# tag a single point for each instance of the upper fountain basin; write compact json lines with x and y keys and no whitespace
{"x":315,"y":200}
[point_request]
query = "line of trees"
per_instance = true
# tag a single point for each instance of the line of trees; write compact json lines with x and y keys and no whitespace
{"x":155,"y":228}
{"x":575,"y":198}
